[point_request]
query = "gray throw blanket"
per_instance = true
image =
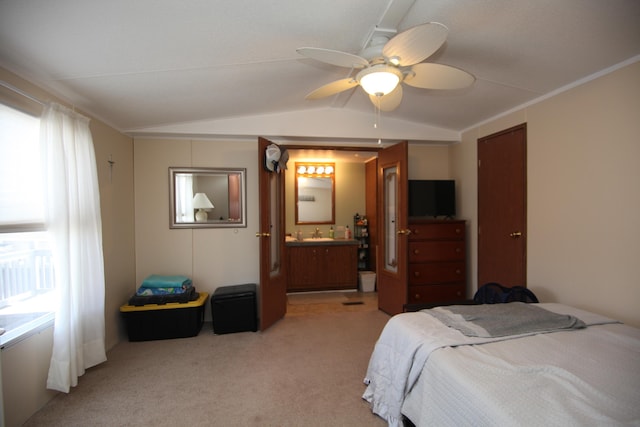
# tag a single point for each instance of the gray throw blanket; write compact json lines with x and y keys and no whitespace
{"x":500,"y":320}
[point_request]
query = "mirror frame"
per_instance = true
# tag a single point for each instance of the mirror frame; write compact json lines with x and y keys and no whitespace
{"x":333,"y":193}
{"x":242,"y":197}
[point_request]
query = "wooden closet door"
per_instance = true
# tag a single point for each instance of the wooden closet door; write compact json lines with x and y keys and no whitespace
{"x":502,"y":207}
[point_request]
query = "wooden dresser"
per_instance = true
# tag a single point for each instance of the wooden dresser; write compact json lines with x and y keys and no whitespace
{"x":437,"y":261}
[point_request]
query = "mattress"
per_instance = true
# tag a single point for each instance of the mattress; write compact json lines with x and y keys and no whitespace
{"x":588,"y":376}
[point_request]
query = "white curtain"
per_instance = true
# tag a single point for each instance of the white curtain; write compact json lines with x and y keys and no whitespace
{"x":184,"y":198}
{"x":73,"y":219}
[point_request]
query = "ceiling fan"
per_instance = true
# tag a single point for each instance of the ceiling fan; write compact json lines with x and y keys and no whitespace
{"x":386,"y":63}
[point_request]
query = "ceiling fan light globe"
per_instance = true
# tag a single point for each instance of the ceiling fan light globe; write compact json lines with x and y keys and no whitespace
{"x":379,"y":80}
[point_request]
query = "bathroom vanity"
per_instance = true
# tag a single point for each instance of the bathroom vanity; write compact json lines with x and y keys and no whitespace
{"x":322,"y":264}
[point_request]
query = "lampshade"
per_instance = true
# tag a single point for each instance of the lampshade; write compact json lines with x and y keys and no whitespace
{"x":379,"y":80}
{"x":201,"y":201}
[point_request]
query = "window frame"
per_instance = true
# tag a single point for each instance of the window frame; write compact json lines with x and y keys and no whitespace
{"x":30,"y":322}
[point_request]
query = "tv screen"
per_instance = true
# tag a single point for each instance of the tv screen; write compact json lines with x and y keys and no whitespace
{"x":432,"y":198}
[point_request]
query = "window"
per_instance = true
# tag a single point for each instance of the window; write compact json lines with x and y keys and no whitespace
{"x":26,"y":268}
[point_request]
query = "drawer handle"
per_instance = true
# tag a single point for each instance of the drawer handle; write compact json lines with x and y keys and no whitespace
{"x":458,"y":271}
{"x":458,"y":250}
{"x":416,"y":273}
{"x":459,"y":293}
{"x":416,"y":251}
{"x":417,"y":296}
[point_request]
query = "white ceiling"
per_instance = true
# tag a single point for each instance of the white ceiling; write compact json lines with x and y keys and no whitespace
{"x":218,"y":66}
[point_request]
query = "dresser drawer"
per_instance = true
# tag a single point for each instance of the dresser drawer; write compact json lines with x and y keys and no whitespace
{"x":441,"y":272}
{"x":437,"y":231}
{"x":436,"y":293}
{"x":446,"y":250}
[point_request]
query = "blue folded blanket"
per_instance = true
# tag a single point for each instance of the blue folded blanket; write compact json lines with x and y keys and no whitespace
{"x":143,"y":291}
{"x":156,"y":281}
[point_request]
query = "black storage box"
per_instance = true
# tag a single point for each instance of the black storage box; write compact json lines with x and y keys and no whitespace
{"x":233,"y":309}
{"x":164,"y":321}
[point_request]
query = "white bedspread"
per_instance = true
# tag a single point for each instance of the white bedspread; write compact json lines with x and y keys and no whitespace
{"x":408,"y":342}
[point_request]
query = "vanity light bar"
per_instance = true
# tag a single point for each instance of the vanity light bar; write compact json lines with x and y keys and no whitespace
{"x":315,"y":169}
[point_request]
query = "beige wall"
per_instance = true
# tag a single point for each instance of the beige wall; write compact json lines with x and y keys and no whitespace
{"x":583,"y":236}
{"x":116,"y":207}
{"x":25,"y":367}
{"x":429,"y":161}
{"x":24,"y":370}
{"x":211,"y":257}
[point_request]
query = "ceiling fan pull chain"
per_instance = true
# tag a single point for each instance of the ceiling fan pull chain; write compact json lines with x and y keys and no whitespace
{"x":377,"y":108}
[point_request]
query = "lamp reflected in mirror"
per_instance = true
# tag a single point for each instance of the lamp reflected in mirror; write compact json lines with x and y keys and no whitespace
{"x":202,"y":203}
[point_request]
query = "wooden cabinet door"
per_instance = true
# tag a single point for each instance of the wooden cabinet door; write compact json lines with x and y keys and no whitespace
{"x":322,"y":267}
{"x":304,"y":267}
{"x":342,"y":266}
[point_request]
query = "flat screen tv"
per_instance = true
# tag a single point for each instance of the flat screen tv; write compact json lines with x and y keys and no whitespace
{"x":432,"y":198}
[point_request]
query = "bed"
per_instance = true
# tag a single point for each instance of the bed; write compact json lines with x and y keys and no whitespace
{"x":585,"y":372}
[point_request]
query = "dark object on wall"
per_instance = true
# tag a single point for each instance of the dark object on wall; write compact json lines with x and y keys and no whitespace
{"x":233,"y":309}
{"x":432,"y":198}
{"x":166,"y":321}
{"x":495,"y":293}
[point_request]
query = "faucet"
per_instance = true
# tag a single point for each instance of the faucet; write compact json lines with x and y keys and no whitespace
{"x":317,"y":234}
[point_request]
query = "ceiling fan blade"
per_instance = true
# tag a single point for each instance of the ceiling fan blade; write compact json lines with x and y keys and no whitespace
{"x":333,"y":57}
{"x":438,"y":76}
{"x":390,"y":101}
{"x":416,"y":44}
{"x":332,"y":88}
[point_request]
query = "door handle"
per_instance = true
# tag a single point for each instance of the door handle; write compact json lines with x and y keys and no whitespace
{"x":515,"y":234}
{"x":263,"y":235}
{"x":406,"y":232}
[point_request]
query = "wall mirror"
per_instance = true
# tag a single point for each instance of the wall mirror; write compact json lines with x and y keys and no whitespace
{"x":315,"y":193}
{"x":207,"y":197}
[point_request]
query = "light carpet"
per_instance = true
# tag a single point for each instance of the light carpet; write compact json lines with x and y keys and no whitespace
{"x":306,"y":370}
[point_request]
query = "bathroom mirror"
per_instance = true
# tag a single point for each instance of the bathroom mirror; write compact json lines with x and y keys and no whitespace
{"x":207,"y":197}
{"x":315,"y":193}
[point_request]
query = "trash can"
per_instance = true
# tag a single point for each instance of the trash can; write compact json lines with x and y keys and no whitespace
{"x":367,"y":281}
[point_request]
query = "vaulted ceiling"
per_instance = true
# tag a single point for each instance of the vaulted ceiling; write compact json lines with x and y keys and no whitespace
{"x":213,"y":67}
